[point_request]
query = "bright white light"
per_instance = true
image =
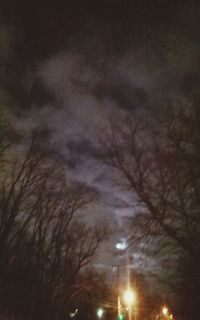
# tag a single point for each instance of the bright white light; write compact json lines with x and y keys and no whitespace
{"x":122,"y":245}
{"x":165,"y":311}
{"x":73,"y":314}
{"x":100,"y":313}
{"x":129,"y":297}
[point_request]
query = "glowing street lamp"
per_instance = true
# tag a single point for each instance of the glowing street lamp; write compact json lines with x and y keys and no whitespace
{"x":129,"y":297}
{"x":165,"y":311}
{"x":100,"y":312}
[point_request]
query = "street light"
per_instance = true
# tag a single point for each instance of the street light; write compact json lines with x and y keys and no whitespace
{"x":129,"y":297}
{"x":100,"y":312}
{"x":164,"y":311}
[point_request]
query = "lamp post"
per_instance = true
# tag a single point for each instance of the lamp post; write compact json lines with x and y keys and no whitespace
{"x":129,"y":296}
{"x":120,"y":246}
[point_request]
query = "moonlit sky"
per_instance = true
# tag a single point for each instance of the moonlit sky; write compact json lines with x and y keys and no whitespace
{"x":70,"y":66}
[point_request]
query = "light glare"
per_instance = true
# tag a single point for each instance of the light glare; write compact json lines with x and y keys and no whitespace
{"x":100,"y":312}
{"x":165,"y":311}
{"x":129,"y":297}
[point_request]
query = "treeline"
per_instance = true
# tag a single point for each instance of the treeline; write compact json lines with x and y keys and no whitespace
{"x":45,"y":245}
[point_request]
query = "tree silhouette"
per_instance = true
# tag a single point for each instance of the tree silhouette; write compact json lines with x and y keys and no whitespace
{"x":44,"y":241}
{"x":158,"y":162}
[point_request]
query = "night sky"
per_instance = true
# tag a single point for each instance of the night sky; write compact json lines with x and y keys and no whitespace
{"x":70,"y":66}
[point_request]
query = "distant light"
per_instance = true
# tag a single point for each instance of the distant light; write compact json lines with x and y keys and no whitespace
{"x":171,"y":316}
{"x":73,"y":314}
{"x":165,"y":311}
{"x":120,"y":316}
{"x":100,"y":312}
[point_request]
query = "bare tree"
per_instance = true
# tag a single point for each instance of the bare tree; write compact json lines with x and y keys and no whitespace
{"x":43,"y":233}
{"x":158,"y":161}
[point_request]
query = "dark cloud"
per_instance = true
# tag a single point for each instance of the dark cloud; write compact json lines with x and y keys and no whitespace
{"x":125,"y":95}
{"x":81,"y":146}
{"x":100,"y":31}
{"x":48,"y":26}
{"x":39,"y":95}
{"x":28,"y":94}
{"x":190,"y":83}
{"x":71,"y":162}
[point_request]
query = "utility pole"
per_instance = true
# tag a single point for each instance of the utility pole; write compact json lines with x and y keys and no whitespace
{"x":118,"y":293}
{"x":119,"y":314}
